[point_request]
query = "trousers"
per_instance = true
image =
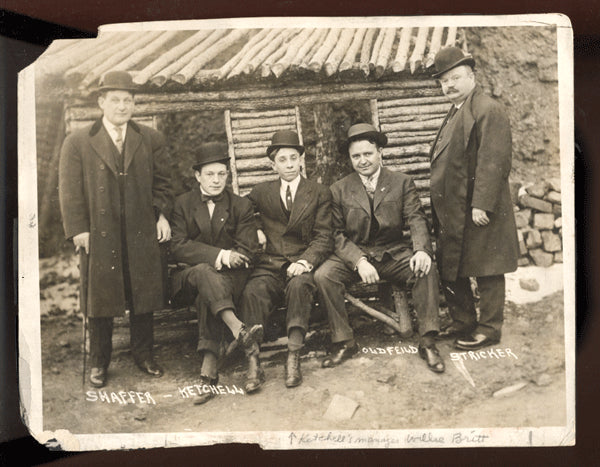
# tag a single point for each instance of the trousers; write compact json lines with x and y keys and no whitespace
{"x":333,"y":276}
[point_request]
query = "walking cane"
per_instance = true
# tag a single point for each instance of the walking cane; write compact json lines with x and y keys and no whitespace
{"x":83,"y":283}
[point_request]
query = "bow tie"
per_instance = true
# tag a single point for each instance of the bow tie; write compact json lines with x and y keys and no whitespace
{"x":214,"y":199}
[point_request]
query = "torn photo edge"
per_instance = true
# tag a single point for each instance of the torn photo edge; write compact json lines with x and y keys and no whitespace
{"x":30,"y":368}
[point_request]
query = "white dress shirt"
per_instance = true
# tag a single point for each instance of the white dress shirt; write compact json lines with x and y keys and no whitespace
{"x":372,"y":180}
{"x":293,"y":188}
{"x":112,"y":130}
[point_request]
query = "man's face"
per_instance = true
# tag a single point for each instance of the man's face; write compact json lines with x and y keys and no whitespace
{"x":212,"y":178}
{"x":117,"y":106}
{"x":365,"y":157}
{"x":458,"y":83}
{"x":287,"y":163}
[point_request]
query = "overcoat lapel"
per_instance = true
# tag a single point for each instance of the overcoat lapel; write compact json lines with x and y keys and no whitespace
{"x":201,"y":216}
{"x":359,"y":193}
{"x":103,"y":145}
{"x":220,"y":215}
{"x":438,"y":148}
{"x":133,"y":139}
{"x":301,"y":202}
{"x":467,"y":118}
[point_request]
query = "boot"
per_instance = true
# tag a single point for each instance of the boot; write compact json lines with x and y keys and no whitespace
{"x":256,"y":375}
{"x":293,"y":376}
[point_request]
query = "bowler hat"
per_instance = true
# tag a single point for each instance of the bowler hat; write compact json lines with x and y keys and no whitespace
{"x":361,"y":131}
{"x":285,"y":139}
{"x":451,"y":57}
{"x":117,"y":81}
{"x":208,"y":153}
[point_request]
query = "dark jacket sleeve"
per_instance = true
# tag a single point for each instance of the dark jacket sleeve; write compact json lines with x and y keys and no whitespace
{"x":321,"y":243}
{"x":162,"y":190}
{"x":415,"y":218}
{"x":494,"y":152}
{"x":71,"y":191}
{"x":345,"y":248}
{"x":245,"y":240}
{"x":253,"y":198}
{"x":183,"y":248}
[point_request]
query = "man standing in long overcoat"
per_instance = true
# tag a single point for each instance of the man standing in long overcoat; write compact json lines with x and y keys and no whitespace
{"x":472,"y":209}
{"x":115,"y":197}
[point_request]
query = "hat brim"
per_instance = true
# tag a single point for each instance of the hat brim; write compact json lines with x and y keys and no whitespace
{"x":199,"y":165}
{"x":273,"y":147}
{"x":380,"y":139}
{"x":463,"y":61}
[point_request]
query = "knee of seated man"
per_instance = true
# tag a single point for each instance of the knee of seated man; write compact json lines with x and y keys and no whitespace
{"x":200,"y":271}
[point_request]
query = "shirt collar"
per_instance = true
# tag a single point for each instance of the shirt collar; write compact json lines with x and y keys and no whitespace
{"x":373,"y":178}
{"x":293,"y":184}
{"x":111,"y":127}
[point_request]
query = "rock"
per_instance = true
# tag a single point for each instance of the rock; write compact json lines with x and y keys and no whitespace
{"x":558,"y":257}
{"x":541,"y":258}
{"x":558,"y":223}
{"x":509,"y":389}
{"x":543,"y":221}
{"x":554,"y":184}
{"x":534,"y":239}
{"x":522,"y":218}
{"x":340,"y":408}
{"x":551,"y":242}
{"x":522,"y":191}
{"x":527,"y":201}
{"x":388,"y":379}
{"x":523,"y":261}
{"x":537,"y":190}
{"x":522,"y":246}
{"x":529,"y":284}
{"x":556,"y":210}
{"x":514,"y":191}
{"x":543,"y":380}
{"x":553,"y":197}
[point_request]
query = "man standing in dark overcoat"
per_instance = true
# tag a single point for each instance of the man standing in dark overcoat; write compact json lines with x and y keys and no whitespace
{"x":115,"y":197}
{"x":371,"y":208}
{"x":472,"y":209}
{"x":294,"y":216}
{"x":214,"y":235}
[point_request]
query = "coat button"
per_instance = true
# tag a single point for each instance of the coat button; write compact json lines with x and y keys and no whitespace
{"x":101,"y":166}
{"x":103,"y":234}
{"x":101,"y":189}
{"x":103,"y":211}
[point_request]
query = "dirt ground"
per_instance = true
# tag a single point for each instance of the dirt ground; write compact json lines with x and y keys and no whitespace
{"x":392,"y":386}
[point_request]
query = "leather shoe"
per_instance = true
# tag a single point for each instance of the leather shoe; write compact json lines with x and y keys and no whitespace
{"x":203,"y":397}
{"x":454,"y":330}
{"x":248,"y":339}
{"x":256,"y":375}
{"x":340,"y":352}
{"x":293,"y":376}
{"x":474,"y":342}
{"x":432,"y":356}
{"x":151,"y":367}
{"x":98,"y":377}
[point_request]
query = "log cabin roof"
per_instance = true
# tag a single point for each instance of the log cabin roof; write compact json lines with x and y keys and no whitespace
{"x":213,"y":58}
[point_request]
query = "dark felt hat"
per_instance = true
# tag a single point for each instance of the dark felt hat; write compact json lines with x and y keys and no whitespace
{"x":208,"y":153}
{"x":285,"y":139}
{"x":451,"y":57}
{"x":117,"y":81}
{"x":362,"y":131}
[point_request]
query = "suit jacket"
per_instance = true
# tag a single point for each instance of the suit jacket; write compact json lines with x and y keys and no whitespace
{"x":396,"y":205}
{"x":305,"y":235}
{"x":198,"y":239}
{"x":470,"y":164}
{"x":90,"y":201}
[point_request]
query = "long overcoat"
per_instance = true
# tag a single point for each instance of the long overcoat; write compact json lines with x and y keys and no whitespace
{"x":90,"y":201}
{"x":470,"y":165}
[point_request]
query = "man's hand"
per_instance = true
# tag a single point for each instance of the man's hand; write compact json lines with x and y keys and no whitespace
{"x":420,"y":264}
{"x":480,"y":217}
{"x":295,"y":269}
{"x":82,"y":240}
{"x":163,"y":229}
{"x":367,"y":272}
{"x":262,"y":239}
{"x":238,"y":260}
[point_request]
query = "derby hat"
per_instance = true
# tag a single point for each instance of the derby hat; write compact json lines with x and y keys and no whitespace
{"x":362,"y":131}
{"x":285,"y":139}
{"x":451,"y":57}
{"x":208,"y":153}
{"x":117,"y":81}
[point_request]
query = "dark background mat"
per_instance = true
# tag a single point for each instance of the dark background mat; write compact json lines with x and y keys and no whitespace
{"x":26,"y":28}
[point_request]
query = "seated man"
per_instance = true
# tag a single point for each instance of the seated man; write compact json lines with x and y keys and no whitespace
{"x":295,"y":215}
{"x":214,"y":233}
{"x":370,"y":209}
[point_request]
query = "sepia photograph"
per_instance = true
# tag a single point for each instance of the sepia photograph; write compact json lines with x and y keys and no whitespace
{"x":300,"y":232}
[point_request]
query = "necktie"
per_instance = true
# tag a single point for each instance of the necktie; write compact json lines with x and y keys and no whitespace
{"x":288,"y":198}
{"x":119,"y":139}
{"x":214,"y":199}
{"x":370,"y":187}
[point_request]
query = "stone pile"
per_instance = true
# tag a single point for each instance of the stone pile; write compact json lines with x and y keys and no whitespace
{"x":538,"y":215}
